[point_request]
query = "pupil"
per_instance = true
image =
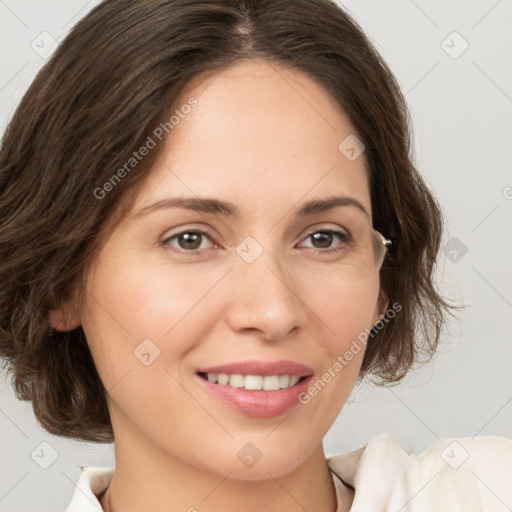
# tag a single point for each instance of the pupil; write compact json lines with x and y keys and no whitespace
{"x":193,"y":240}
{"x":190,"y":240}
{"x":325,"y":239}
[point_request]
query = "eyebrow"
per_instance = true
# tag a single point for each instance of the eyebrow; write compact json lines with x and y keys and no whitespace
{"x":225,"y":208}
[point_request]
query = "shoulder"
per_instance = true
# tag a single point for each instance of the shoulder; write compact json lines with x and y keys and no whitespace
{"x":457,"y":474}
{"x":92,"y":483}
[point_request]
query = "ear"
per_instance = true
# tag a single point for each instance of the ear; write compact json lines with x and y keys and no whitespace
{"x":381,"y":306}
{"x":63,"y":318}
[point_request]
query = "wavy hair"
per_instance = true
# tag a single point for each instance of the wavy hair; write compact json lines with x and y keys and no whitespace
{"x":108,"y":84}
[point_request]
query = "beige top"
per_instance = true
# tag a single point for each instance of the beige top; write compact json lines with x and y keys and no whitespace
{"x":453,"y":475}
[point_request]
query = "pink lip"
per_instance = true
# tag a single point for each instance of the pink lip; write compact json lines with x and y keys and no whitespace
{"x":260,"y":368}
{"x":254,"y":403}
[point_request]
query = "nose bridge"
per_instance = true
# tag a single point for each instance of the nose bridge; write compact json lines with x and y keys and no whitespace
{"x":263,"y":295}
{"x":264,"y":273}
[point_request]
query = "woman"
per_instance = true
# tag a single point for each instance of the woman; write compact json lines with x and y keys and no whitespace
{"x":211,"y":229}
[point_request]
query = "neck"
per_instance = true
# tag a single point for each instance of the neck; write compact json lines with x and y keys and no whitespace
{"x":146,"y":478}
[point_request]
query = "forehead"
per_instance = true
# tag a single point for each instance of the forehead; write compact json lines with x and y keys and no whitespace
{"x":260,"y":132}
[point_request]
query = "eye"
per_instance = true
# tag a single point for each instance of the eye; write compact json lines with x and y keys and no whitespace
{"x":193,"y":241}
{"x":188,"y":241}
{"x":324,"y":238}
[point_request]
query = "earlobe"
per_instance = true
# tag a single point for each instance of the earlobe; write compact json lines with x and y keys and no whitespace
{"x":62,"y":322}
{"x":384,"y":304}
{"x":381,"y":307}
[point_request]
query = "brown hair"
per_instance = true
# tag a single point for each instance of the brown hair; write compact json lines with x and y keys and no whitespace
{"x":108,"y":85}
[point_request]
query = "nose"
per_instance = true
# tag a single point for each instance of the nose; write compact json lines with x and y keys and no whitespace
{"x":265,"y":299}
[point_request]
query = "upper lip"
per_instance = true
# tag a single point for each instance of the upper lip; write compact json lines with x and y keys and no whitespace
{"x":263,"y":368}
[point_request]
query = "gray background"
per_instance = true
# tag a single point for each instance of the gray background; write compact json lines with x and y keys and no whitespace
{"x":461,"y":106}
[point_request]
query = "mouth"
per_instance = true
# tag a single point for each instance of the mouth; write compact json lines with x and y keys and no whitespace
{"x":253,"y":382}
{"x":257,"y":389}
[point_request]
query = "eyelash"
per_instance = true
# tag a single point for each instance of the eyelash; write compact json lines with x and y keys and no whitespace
{"x":345,"y":238}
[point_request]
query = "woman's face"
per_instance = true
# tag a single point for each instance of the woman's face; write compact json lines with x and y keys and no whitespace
{"x":251,"y":286}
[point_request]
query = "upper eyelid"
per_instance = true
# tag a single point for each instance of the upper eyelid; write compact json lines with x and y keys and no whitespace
{"x":208,"y":230}
{"x":314,"y":229}
{"x":305,"y":233}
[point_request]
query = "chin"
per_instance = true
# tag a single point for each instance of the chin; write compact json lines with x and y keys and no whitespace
{"x":252,"y":464}
{"x":260,"y":471}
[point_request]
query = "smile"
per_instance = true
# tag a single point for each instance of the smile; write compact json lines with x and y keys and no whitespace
{"x":259,"y":389}
{"x":252,"y":382}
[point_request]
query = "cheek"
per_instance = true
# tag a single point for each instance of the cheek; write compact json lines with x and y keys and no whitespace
{"x":140,"y":324}
{"x":132,"y":301}
{"x":139,"y":321}
{"x":346,"y":308}
{"x":346,"y":311}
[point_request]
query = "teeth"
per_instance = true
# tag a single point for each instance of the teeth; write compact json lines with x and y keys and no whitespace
{"x":222,"y":378}
{"x":236,"y":381}
{"x":271,"y":383}
{"x":254,"y":382}
{"x":284,"y":381}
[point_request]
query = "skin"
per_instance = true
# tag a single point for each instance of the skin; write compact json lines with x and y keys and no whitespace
{"x":265,"y":138}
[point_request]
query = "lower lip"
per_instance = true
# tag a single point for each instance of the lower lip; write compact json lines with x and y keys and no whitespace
{"x":258,"y":404}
